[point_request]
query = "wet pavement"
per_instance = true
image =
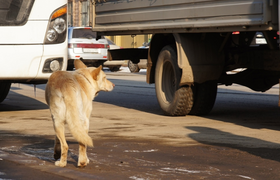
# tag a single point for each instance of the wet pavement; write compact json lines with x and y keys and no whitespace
{"x":30,"y":157}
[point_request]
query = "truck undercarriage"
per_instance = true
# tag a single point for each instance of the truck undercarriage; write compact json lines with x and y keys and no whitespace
{"x":196,"y":45}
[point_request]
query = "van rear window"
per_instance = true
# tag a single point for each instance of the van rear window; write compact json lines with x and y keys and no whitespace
{"x":15,"y":12}
{"x":83,"y":33}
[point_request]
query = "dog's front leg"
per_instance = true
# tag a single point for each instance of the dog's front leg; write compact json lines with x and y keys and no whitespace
{"x":83,"y":159}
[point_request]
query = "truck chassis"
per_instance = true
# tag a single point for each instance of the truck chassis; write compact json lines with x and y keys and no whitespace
{"x":193,"y":46}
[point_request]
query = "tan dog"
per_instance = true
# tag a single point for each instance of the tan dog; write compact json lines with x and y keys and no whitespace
{"x":69,"y":96}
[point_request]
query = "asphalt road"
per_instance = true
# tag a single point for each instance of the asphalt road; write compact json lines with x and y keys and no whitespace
{"x":240,"y":139}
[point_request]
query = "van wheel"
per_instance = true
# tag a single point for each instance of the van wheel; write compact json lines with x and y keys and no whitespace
{"x":133,"y":67}
{"x":173,"y":99}
{"x":4,"y":90}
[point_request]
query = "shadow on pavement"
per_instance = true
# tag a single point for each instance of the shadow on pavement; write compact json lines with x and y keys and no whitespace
{"x":253,"y":110}
{"x":254,"y":146}
{"x":16,"y":102}
{"x":248,"y":109}
{"x":138,"y":95}
{"x":120,"y":159}
{"x":40,"y":147}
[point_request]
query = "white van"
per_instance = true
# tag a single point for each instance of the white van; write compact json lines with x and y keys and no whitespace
{"x":82,"y":44}
{"x":33,"y":41}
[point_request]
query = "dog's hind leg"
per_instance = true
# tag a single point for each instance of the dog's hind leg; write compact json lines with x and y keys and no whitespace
{"x":57,"y":149}
{"x":59,"y":130}
{"x":83,"y":159}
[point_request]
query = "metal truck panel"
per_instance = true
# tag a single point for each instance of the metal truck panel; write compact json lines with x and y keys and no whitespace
{"x":146,"y":16}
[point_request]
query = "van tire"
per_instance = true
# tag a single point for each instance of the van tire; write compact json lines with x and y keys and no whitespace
{"x":4,"y":89}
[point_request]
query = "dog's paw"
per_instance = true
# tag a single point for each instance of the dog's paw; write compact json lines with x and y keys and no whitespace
{"x":60,"y":163}
{"x":82,"y":164}
{"x":87,"y":160}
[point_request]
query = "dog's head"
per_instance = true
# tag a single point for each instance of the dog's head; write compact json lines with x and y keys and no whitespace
{"x":97,"y":75}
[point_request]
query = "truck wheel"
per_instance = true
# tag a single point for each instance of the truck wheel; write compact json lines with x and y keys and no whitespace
{"x":133,"y":67}
{"x":114,"y":68}
{"x":4,"y":89}
{"x":70,"y":67}
{"x":173,"y":99}
{"x":204,"y":96}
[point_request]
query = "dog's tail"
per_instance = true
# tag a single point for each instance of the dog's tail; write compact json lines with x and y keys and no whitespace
{"x":77,"y":129}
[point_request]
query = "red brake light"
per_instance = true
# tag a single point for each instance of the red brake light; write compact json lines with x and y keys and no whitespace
{"x":236,"y":32}
{"x":90,"y":45}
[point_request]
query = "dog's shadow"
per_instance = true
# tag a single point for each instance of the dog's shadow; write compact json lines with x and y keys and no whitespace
{"x":44,"y":150}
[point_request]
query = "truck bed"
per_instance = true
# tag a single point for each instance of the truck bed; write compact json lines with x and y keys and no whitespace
{"x":118,"y":17}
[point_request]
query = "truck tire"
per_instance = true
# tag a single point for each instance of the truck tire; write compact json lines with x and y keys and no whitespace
{"x":173,"y":99}
{"x":4,"y":90}
{"x":114,"y":68}
{"x":133,"y":67}
{"x":204,"y":96}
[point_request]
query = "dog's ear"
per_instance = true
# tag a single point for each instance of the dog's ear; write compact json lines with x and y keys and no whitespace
{"x":79,"y":64}
{"x":95,"y":72}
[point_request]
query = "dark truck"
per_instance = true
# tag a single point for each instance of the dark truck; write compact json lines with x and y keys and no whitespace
{"x":193,"y":46}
